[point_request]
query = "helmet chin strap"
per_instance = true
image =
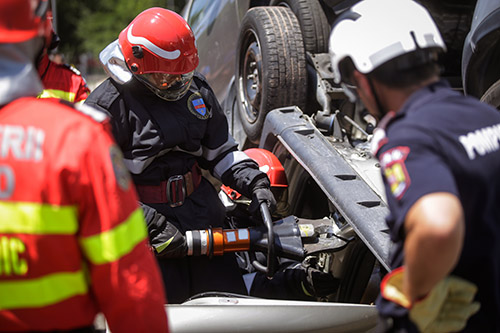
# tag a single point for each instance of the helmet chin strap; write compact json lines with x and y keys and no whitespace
{"x":380,"y":108}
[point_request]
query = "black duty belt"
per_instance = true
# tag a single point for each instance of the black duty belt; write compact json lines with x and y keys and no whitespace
{"x":172,"y":191}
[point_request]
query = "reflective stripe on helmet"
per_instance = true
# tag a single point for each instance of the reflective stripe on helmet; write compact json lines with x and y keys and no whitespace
{"x":155,"y":31}
{"x":171,"y":55}
{"x":43,"y":291}
{"x":111,"y":245}
{"x":35,"y":218}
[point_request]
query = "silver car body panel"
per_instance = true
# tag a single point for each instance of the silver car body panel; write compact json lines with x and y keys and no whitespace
{"x":230,"y":314}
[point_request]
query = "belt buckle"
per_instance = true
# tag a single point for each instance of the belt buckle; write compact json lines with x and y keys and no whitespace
{"x":176,"y":190}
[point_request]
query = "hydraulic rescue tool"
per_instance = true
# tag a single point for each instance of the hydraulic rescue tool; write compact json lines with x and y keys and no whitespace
{"x":291,"y":238}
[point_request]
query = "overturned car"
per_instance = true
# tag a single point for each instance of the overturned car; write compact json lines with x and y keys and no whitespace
{"x":268,"y":64}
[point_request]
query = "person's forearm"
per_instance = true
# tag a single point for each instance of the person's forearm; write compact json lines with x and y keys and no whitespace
{"x":435,"y":231}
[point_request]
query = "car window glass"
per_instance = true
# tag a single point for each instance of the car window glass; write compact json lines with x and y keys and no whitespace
{"x":197,"y":12}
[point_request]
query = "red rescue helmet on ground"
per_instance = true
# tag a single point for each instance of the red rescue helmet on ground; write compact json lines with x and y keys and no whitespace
{"x":159,"y":48}
{"x":22,"y":20}
{"x":270,"y":165}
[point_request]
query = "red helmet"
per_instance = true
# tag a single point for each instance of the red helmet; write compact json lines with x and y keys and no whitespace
{"x":159,"y":40}
{"x":269,"y":163}
{"x":159,"y":48}
{"x":22,"y":20}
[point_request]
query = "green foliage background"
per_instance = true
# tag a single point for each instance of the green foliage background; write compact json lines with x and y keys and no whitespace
{"x":87,"y":26}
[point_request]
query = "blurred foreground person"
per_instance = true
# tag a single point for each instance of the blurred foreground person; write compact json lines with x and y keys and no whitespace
{"x":439,"y":154}
{"x":169,"y":124}
{"x":73,"y":240}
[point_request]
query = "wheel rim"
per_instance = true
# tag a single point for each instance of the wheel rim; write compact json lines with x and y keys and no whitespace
{"x":250,"y":78}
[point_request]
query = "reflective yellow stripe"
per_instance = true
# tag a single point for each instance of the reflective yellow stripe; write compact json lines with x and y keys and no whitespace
{"x":164,"y":245}
{"x":54,"y":93}
{"x":111,"y":245}
{"x":36,"y":218}
{"x":43,"y":291}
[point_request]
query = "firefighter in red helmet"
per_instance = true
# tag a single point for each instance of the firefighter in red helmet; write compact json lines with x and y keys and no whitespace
{"x":59,"y":80}
{"x":73,"y":241}
{"x":169,"y":124}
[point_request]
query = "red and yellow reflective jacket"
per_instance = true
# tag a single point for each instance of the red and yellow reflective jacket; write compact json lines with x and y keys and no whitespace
{"x":73,"y":240}
{"x":61,"y":81}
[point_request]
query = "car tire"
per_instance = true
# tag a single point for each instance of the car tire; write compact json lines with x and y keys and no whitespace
{"x":270,"y":66}
{"x":492,"y":95}
{"x":313,"y":23}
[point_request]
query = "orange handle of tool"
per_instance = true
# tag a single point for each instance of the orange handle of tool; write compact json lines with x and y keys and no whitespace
{"x":217,"y":241}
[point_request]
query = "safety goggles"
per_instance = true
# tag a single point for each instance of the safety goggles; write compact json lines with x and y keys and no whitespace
{"x":167,"y":81}
{"x":170,"y":87}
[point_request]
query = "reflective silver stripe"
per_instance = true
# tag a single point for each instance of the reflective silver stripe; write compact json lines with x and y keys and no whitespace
{"x":194,"y":153}
{"x":91,"y":112}
{"x":203,"y":241}
{"x":170,"y":55}
{"x":135,"y":166}
{"x":211,"y":154}
{"x":189,"y":242}
{"x":228,"y":161}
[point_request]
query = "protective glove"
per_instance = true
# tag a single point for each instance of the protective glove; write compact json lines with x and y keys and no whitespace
{"x":164,"y":237}
{"x":319,"y":283}
{"x":261,"y":192}
{"x":311,"y":281}
{"x":446,"y":308}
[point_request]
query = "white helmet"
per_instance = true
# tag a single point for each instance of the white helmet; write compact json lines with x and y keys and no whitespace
{"x":373,"y":32}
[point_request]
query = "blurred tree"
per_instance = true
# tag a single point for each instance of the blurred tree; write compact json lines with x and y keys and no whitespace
{"x":88,"y":26}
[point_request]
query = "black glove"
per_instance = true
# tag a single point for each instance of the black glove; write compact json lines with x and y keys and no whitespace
{"x":320,"y":284}
{"x":261,"y":192}
{"x":311,"y":281}
{"x":164,"y":237}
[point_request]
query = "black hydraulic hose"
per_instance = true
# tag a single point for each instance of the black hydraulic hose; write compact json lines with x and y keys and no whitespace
{"x":271,"y":258}
{"x":210,"y":243}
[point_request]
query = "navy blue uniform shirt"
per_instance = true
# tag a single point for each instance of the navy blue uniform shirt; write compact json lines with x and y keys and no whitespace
{"x":442,"y":141}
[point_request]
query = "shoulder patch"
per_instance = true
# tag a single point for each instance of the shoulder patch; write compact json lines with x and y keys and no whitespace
{"x":197,"y":107}
{"x":121,"y":172}
{"x":394,"y":169}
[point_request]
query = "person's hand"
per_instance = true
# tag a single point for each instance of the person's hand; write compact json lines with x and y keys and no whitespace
{"x":170,"y":243}
{"x":318,"y":283}
{"x":164,"y":237}
{"x":261,"y":192}
{"x":446,"y":308}
{"x":309,"y":281}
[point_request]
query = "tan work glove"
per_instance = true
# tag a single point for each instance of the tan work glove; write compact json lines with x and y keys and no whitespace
{"x":446,"y":308}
